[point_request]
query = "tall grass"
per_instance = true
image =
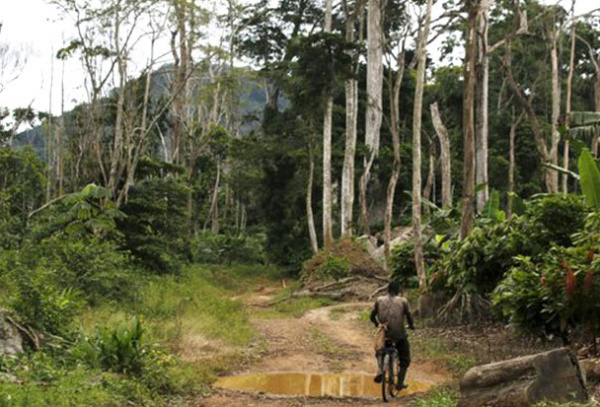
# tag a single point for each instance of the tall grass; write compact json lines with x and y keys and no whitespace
{"x":177,"y":313}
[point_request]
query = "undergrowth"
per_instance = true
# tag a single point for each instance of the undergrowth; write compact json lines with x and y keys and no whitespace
{"x":137,"y":351}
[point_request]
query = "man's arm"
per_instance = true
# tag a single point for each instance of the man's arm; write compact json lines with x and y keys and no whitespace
{"x":409,"y":317}
{"x":373,"y":316}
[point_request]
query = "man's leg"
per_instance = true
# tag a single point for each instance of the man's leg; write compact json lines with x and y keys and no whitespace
{"x":404,"y":355}
{"x":379,"y":357}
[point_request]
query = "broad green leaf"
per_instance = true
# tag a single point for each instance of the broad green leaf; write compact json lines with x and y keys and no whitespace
{"x":492,"y":206}
{"x":590,"y":179}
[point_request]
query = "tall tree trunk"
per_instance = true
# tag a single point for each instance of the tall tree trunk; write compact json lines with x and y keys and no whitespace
{"x":50,"y":152}
{"x":596,"y":104}
{"x":566,"y":150}
{"x":180,"y":54}
{"x":416,"y":147}
{"x":395,"y":85}
{"x":213,"y":214}
{"x":430,"y":182}
{"x":482,"y":131}
{"x":373,"y":114}
{"x":525,"y":103}
{"x":59,"y":135}
{"x":468,"y":194}
{"x":314,"y":244}
{"x":351,"y":89}
{"x":553,"y":175}
{"x":115,"y":162}
{"x":327,"y":124}
{"x":445,"y":157}
{"x":511,"y":165}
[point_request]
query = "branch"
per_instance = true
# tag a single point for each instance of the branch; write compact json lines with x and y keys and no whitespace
{"x":47,"y":204}
{"x":561,"y":170}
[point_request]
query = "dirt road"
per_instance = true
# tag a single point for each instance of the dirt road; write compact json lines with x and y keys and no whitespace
{"x":330,"y":339}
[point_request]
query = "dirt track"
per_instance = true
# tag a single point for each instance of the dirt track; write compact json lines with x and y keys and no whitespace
{"x":329,"y":339}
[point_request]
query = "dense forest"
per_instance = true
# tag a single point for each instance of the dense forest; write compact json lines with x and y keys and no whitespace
{"x":457,"y":139}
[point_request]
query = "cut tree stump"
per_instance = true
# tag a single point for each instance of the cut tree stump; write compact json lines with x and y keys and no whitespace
{"x":552,"y":376}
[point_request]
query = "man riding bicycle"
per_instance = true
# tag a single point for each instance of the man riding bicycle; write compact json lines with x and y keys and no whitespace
{"x":390,"y":310}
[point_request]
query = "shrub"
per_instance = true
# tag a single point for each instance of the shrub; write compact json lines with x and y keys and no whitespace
{"x":124,"y":349}
{"x":554,"y":218}
{"x":229,"y":248}
{"x":22,"y":191}
{"x":479,"y":262}
{"x":332,"y":268}
{"x":344,"y":257}
{"x":40,"y":301}
{"x":562,"y":289}
{"x":402,"y":261}
{"x":155,"y":225}
{"x":119,"y":349}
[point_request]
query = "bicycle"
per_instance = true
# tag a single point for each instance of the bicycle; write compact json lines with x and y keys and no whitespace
{"x":390,"y":367}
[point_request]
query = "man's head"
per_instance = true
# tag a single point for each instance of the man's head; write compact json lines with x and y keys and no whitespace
{"x":394,"y":287}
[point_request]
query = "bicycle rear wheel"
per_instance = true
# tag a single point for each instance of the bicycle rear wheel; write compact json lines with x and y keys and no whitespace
{"x":394,"y":368}
{"x":384,"y":380}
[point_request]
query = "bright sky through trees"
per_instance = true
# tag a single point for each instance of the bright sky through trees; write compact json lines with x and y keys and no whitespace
{"x":34,"y":28}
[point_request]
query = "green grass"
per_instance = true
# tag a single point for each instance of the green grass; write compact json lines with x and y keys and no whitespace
{"x":428,"y":347}
{"x":325,"y":345}
{"x":440,"y":397}
{"x":201,"y":303}
{"x":197,"y":303}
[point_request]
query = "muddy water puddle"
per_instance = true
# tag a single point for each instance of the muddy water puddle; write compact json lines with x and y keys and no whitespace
{"x":314,"y":384}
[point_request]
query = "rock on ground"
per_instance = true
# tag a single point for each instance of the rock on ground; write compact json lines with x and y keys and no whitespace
{"x":552,"y":376}
{"x":11,"y":341}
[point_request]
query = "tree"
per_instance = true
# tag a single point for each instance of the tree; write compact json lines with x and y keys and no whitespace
{"x":481,"y":118}
{"x":327,"y":124}
{"x":566,"y":148}
{"x":468,"y":194}
{"x":373,"y":114}
{"x":445,"y":156}
{"x":351,"y":91}
{"x":416,"y":146}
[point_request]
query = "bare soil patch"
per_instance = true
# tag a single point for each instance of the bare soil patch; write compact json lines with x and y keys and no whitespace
{"x":329,"y":339}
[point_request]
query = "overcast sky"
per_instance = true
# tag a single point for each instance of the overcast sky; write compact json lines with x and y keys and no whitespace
{"x":34,"y":27}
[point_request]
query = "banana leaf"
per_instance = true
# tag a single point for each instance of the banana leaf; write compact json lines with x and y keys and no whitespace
{"x":589,"y":178}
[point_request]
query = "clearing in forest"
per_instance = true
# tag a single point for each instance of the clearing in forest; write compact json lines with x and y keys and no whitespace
{"x":325,"y":356}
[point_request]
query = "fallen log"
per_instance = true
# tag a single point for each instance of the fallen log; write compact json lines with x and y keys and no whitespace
{"x":336,"y":283}
{"x":553,"y":376}
{"x":378,"y":291}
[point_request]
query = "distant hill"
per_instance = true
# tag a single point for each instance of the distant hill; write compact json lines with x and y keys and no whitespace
{"x":252,"y":102}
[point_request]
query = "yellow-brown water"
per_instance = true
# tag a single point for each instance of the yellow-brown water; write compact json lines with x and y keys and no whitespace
{"x":314,"y":384}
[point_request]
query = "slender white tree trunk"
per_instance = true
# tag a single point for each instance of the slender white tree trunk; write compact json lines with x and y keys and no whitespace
{"x":566,"y":151}
{"x":511,"y":165}
{"x":481,"y":172}
{"x":373,"y":114}
{"x":429,"y":183}
{"x":553,"y":175}
{"x":445,"y":157}
{"x":416,"y":147}
{"x":213,"y":214}
{"x":351,"y":89}
{"x":118,"y":136}
{"x":327,"y":124}
{"x":314,"y":244}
